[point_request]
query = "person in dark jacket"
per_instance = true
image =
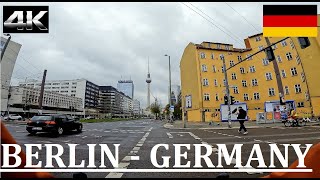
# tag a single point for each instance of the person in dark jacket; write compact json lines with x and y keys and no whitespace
{"x":242,"y":114}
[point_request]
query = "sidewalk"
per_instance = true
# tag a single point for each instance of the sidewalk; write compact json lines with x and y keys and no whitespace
{"x":224,"y":125}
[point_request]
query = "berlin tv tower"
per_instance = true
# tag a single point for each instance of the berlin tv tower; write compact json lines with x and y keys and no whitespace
{"x":148,"y":80}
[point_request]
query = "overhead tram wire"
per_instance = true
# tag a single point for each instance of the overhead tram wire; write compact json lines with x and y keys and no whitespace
{"x":212,"y":23}
{"x":243,"y":17}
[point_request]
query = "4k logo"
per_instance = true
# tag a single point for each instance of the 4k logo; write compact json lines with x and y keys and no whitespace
{"x":25,"y":19}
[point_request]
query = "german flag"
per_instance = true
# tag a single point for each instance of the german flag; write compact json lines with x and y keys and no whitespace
{"x":290,"y":21}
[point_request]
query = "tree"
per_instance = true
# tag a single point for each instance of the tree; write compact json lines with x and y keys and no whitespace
{"x":155,"y":109}
{"x":177,"y":110}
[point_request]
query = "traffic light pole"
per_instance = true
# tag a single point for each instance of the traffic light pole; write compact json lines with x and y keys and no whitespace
{"x":227,"y":91}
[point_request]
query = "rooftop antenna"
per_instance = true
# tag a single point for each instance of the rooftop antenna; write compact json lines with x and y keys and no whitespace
{"x":148,"y":64}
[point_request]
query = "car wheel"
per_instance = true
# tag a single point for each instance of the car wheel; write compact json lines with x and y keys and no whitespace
{"x":287,"y":123}
{"x":79,"y":129}
{"x":33,"y":132}
{"x":60,"y":130}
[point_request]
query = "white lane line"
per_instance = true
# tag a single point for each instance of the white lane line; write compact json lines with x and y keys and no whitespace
{"x":136,"y":149}
{"x":114,"y":175}
{"x":84,"y":137}
{"x":106,"y":131}
{"x":135,"y":158}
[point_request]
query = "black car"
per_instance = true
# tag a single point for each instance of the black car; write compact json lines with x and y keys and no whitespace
{"x":56,"y":124}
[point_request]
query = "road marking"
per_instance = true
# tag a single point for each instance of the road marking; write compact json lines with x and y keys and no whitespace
{"x":114,"y":175}
{"x":46,"y":142}
{"x":106,"y":131}
{"x":20,"y":131}
{"x":84,"y":137}
{"x":135,"y":158}
{"x":130,"y":157}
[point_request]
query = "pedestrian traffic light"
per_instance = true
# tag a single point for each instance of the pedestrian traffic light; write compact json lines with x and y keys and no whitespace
{"x":225,"y":100}
{"x":304,"y":42}
{"x":270,"y":54}
{"x":232,"y":100}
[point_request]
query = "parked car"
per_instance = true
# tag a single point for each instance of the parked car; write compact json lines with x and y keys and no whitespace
{"x":14,"y":117}
{"x":55,"y":124}
{"x":89,"y":117}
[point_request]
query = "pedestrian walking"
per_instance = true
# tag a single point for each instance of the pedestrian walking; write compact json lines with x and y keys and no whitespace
{"x":242,"y":114}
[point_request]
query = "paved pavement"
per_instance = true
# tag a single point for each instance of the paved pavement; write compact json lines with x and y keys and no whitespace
{"x":138,"y":137}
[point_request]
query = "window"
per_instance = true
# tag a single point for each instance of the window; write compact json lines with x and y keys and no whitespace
{"x":231,"y":63}
{"x":221,"y":57}
{"x":286,"y":89}
{"x":235,"y":90}
{"x":297,"y":88}
{"x":303,"y":77}
{"x":294,"y":71}
{"x":206,"y":97}
{"x":254,"y":82}
{"x":239,"y":58}
{"x":65,"y":83}
{"x":271,"y":92}
{"x":268,"y":76}
{"x":209,"y":44}
{"x":246,"y":97}
{"x":258,"y":38}
{"x":274,"y":47}
{"x":206,"y":110}
{"x":300,"y":104}
{"x":202,"y":55}
{"x":260,"y":48}
{"x":205,"y":82}
{"x":224,"y":82}
{"x":215,"y":82}
{"x":55,"y":83}
{"x":74,"y":87}
{"x":64,"y":91}
{"x":289,"y":56}
{"x":256,"y":96}
{"x":279,"y":59}
{"x":227,"y":47}
{"x":283,"y":73}
{"x":244,"y":83}
{"x":242,"y":70}
{"x":217,"y":97}
{"x":284,"y":43}
{"x":47,"y":83}
{"x":74,"y":83}
{"x":73,"y":91}
{"x":55,"y":87}
{"x":292,"y":45}
{"x":212,"y":56}
{"x":233,"y":76}
{"x":307,"y":96}
{"x":73,"y":95}
{"x":218,"y":46}
{"x":252,"y":69}
{"x":204,"y":68}
{"x":298,"y":59}
{"x":265,"y":61}
{"x":249,"y":56}
{"x":214,"y":68}
{"x":222,"y":69}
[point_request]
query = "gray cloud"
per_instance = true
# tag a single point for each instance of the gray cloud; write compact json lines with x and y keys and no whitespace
{"x":104,"y":41}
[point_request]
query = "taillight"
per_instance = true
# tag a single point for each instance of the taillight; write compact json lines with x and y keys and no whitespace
{"x":50,"y":122}
{"x":29,"y":122}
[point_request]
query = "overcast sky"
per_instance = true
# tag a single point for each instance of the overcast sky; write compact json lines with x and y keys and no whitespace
{"x":103,"y":42}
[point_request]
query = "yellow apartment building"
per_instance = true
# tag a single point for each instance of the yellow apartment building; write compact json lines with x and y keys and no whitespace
{"x":254,"y":81}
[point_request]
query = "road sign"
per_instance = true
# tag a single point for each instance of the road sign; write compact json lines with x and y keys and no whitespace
{"x":172,"y":108}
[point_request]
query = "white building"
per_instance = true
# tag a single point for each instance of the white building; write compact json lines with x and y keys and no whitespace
{"x":22,"y":97}
{"x":7,"y":65}
{"x":136,"y":107}
{"x":81,"y":88}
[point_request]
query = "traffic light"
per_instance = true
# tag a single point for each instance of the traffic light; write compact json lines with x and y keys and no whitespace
{"x":270,"y":54}
{"x":225,"y":100}
{"x":232,"y":100}
{"x":282,"y":101}
{"x":304,"y":42}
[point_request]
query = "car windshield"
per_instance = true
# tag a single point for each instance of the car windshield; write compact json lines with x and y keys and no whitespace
{"x":44,"y":118}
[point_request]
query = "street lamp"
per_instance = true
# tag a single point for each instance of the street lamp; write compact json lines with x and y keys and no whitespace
{"x":169,"y":85}
{"x":5,"y":46}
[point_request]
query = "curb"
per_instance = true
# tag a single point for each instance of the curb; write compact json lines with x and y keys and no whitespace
{"x":224,"y":128}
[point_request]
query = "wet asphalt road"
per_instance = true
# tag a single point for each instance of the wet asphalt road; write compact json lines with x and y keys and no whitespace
{"x":138,"y":137}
